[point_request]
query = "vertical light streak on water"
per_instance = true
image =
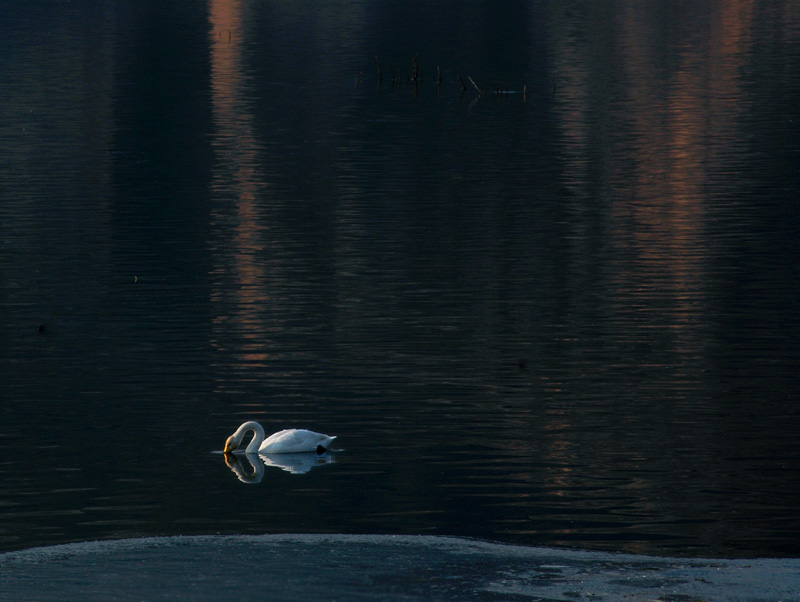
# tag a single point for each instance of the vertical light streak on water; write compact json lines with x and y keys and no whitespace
{"x":241,"y":293}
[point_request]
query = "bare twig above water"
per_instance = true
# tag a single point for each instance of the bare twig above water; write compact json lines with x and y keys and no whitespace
{"x":475,"y":85}
{"x":414,"y":78}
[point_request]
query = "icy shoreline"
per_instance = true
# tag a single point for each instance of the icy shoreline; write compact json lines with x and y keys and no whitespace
{"x":369,"y":567}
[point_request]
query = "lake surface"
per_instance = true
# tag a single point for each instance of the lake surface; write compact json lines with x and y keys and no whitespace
{"x":562,"y":314}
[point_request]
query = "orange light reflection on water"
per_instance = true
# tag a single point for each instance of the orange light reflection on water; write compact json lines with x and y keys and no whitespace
{"x":238,"y":271}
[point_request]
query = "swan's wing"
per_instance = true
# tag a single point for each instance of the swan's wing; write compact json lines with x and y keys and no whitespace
{"x":293,"y":441}
{"x":287,"y":437}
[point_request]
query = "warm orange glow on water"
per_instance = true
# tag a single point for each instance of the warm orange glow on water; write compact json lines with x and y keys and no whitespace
{"x":676,"y":132}
{"x":239,"y":273}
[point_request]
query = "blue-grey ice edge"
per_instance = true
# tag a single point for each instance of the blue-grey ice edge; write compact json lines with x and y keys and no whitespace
{"x":369,"y":567}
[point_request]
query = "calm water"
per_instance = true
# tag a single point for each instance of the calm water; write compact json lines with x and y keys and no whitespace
{"x":568,"y":314}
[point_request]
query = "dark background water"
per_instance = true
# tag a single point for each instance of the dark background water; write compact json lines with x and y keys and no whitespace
{"x":563,"y":315}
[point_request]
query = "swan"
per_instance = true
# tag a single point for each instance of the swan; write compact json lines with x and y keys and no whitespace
{"x":288,"y":441}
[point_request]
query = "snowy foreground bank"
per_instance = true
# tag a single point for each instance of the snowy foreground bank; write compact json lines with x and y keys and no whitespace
{"x":377,"y":567}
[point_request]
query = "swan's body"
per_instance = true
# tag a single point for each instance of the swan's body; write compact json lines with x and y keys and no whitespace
{"x":289,"y":441}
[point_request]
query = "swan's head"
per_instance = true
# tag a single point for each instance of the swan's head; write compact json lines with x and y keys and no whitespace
{"x":235,"y":440}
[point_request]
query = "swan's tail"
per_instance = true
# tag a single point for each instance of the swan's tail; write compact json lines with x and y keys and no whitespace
{"x":325,"y":444}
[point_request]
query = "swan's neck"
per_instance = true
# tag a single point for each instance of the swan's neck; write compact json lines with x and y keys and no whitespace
{"x":258,"y":435}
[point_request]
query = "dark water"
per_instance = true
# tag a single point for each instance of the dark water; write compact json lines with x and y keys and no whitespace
{"x":563,"y":315}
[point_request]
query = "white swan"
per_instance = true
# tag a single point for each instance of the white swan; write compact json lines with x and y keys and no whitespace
{"x":289,"y":441}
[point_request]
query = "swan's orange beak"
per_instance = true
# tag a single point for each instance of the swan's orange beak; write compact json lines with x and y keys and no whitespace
{"x":229,"y":446}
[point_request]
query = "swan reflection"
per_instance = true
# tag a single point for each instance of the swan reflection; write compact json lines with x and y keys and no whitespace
{"x":249,"y":468}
